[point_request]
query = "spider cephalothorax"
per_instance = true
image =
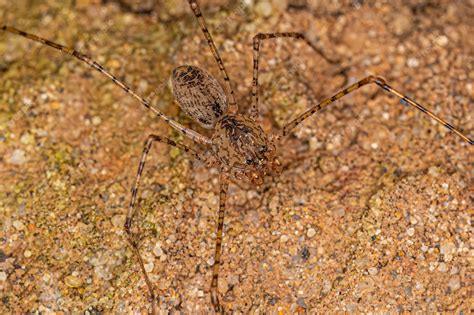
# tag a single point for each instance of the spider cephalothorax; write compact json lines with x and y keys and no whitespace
{"x":244,"y":149}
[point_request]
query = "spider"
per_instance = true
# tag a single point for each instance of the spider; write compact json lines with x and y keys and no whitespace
{"x":239,"y":147}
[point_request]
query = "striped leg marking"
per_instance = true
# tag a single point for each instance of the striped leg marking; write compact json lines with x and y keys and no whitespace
{"x":381,"y":83}
{"x":202,"y":23}
{"x":195,"y":136}
{"x":224,"y":184}
{"x":131,"y":210}
{"x":256,"y":54}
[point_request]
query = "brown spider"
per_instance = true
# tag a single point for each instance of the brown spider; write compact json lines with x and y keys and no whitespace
{"x":239,"y":146}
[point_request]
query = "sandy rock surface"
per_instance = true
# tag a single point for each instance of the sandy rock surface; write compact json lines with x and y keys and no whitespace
{"x":371,"y":213}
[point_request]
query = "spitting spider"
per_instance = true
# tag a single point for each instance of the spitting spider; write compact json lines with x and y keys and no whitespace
{"x":238,"y":146}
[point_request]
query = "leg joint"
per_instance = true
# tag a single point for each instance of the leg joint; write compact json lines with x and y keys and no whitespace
{"x":128,"y":225}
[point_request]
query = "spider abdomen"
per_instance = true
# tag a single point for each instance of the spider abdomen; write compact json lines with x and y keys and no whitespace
{"x":199,"y":95}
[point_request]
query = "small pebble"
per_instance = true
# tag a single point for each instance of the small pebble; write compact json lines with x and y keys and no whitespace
{"x":73,"y":281}
{"x":17,"y":157}
{"x":454,"y":283}
{"x":118,"y":221}
{"x":302,"y":303}
{"x":157,"y":250}
{"x":114,"y":64}
{"x":200,"y":293}
{"x":433,"y":171}
{"x":419,"y":286}
{"x":46,"y":277}
{"x":413,"y":62}
{"x":373,"y":271}
{"x":143,"y":85}
{"x":280,"y":5}
{"x":314,"y":144}
{"x":339,"y":212}
{"x":442,"y":267}
{"x":55,"y":105}
{"x":233,"y":279}
{"x":311,"y":232}
{"x":448,"y":258}
{"x":149,"y":267}
{"x":27,"y":101}
{"x":3,"y":276}
{"x":305,"y":253}
{"x":351,"y":307}
{"x":222,"y":285}
{"x":411,"y":231}
{"x":17,"y":224}
{"x":447,"y":248}
{"x":27,"y":253}
{"x":284,"y":238}
{"x":402,"y":23}
{"x":27,"y":138}
{"x":441,"y":40}
{"x":264,"y":8}
{"x":96,"y":120}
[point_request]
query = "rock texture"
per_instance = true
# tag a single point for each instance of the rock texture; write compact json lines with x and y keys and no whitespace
{"x":371,"y":214}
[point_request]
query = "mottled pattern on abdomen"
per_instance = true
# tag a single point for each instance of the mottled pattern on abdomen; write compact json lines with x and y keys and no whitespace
{"x":199,"y":95}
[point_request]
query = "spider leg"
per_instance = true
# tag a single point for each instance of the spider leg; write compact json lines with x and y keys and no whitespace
{"x":224,"y":185}
{"x":131,"y":210}
{"x":195,"y":136}
{"x":257,"y":39}
{"x":382,"y":84}
{"x":202,"y":23}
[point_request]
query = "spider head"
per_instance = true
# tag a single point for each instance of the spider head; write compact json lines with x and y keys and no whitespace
{"x":255,"y":174}
{"x":244,"y":149}
{"x":259,"y":160}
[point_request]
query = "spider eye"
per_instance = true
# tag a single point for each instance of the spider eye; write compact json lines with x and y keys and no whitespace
{"x":262,"y":149}
{"x":248,"y":161}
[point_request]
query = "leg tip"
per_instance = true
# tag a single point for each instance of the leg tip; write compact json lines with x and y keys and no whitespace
{"x":215,"y":302}
{"x":128,"y":224}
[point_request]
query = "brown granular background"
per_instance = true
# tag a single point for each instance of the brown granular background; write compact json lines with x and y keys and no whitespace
{"x":371,"y":214}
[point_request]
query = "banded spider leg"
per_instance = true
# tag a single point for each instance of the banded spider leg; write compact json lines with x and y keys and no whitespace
{"x":257,"y":40}
{"x":380,"y":83}
{"x":131,"y":210}
{"x":326,"y":102}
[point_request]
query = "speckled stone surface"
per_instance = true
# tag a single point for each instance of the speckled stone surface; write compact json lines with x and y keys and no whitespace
{"x":371,"y":214}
